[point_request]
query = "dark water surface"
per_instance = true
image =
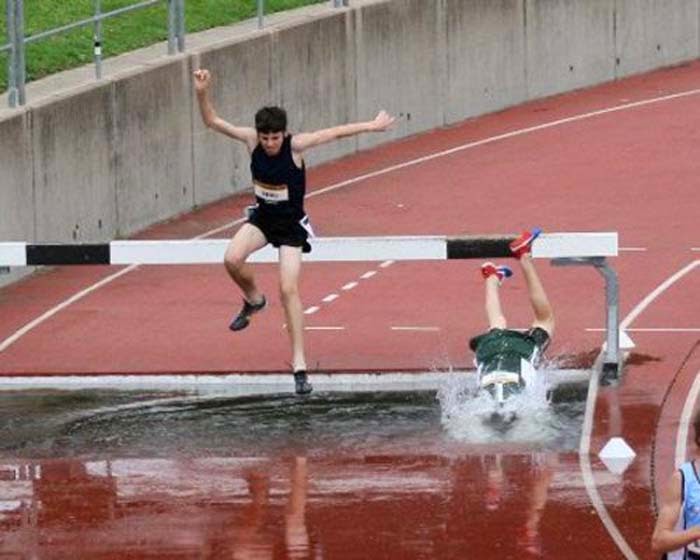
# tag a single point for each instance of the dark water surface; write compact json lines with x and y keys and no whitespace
{"x":103,"y":474}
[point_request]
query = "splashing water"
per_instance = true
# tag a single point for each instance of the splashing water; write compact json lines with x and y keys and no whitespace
{"x":472,"y":416}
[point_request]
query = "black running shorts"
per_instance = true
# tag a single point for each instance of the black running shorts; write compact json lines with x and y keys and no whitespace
{"x":282,"y":230}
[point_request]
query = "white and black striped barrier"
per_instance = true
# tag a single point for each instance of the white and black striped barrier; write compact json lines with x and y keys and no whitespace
{"x":336,"y":249}
{"x":590,"y":248}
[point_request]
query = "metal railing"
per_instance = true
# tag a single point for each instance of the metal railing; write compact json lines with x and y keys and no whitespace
{"x":17,"y":41}
{"x":261,"y":9}
{"x":16,"y":71}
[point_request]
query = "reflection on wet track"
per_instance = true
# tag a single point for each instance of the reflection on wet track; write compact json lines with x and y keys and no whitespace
{"x":113,"y":475}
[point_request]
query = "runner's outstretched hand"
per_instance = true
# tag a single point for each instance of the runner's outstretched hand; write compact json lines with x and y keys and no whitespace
{"x":202,"y":79}
{"x":382,"y":121}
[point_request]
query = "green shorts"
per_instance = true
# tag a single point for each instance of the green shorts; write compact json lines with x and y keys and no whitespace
{"x":503,"y":349}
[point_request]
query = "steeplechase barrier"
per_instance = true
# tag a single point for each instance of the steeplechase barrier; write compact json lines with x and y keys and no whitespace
{"x":563,"y":249}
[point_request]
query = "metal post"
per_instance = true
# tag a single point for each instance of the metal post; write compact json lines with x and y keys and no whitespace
{"x":261,"y":13}
{"x":612,"y":297}
{"x":181,"y":25}
{"x":171,"y":26}
{"x":611,"y":362}
{"x":11,"y":62}
{"x":20,"y":69}
{"x":97,"y":53}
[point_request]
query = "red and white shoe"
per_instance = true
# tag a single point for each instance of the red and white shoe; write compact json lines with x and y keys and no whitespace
{"x":501,"y":271}
{"x":522,"y":245}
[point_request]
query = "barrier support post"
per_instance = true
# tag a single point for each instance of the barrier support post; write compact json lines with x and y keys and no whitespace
{"x":611,"y":361}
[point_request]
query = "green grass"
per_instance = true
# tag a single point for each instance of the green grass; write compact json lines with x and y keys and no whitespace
{"x":119,"y":34}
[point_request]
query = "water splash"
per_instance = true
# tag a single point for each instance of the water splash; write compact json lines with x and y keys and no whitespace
{"x":472,"y":416}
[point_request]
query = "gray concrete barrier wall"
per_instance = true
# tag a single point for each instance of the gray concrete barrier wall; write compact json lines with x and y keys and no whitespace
{"x":569,"y":45}
{"x":399,"y":65}
{"x":655,"y":33}
{"x":117,"y":155}
{"x":153,"y":145}
{"x":16,"y":192}
{"x":74,"y":166}
{"x":486,"y":56}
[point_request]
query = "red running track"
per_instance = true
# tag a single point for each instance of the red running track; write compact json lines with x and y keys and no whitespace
{"x":622,"y":156}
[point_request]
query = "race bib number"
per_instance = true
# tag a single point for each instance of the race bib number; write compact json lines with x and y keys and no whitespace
{"x":499,"y":377}
{"x":271,"y":193}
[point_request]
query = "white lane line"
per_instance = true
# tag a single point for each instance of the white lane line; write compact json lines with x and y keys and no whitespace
{"x":349,"y":286}
{"x":368,"y":275}
{"x":654,"y":329}
{"x":506,"y":136}
{"x":656,"y":293}
{"x":33,"y":324}
{"x":585,"y":445}
{"x":688,"y":407}
{"x":424,"y":329}
{"x":632,"y":249}
{"x":311,"y":310}
{"x":584,"y":456}
{"x":330,"y":298}
{"x":9,"y":341}
{"x":324,"y":328}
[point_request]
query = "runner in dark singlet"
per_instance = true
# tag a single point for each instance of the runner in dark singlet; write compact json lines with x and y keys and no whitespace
{"x":278,"y":218}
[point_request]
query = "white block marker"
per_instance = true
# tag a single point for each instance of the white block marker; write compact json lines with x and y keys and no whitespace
{"x":617,"y":455}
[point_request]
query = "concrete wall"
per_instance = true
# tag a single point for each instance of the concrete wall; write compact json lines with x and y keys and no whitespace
{"x":74,"y":166}
{"x":153,"y":145}
{"x":655,"y":33}
{"x":486,"y":56}
{"x":570,"y":44}
{"x":400,"y":66}
{"x":16,"y":191}
{"x":117,"y":155}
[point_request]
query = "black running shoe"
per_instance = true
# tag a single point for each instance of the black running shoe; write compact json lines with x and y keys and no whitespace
{"x":301,"y":383}
{"x":242,"y":320}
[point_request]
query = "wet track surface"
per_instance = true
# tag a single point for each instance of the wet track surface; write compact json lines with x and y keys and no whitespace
{"x":353,"y":474}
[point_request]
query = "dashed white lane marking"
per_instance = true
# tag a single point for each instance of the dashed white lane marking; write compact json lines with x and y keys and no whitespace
{"x":688,"y":408}
{"x":311,"y":310}
{"x":632,"y":249}
{"x":654,"y":329}
{"x":359,"y":178}
{"x":324,"y":328}
{"x":349,"y":286}
{"x":424,"y":329}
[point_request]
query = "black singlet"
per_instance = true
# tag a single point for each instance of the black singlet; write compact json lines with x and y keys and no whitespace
{"x":278,"y":182}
